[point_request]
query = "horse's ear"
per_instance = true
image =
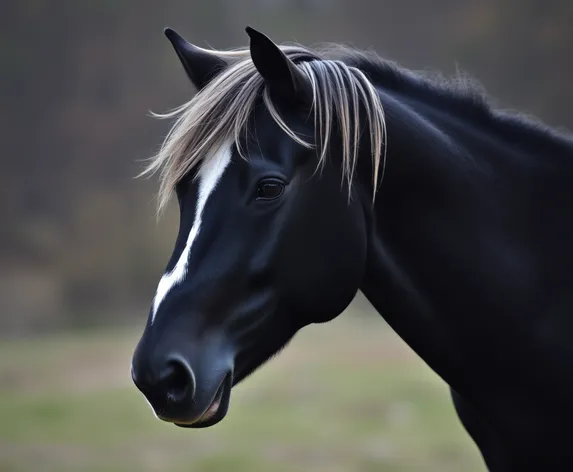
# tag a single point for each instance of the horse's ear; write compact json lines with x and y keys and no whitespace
{"x":200,"y":64}
{"x":281,"y":74}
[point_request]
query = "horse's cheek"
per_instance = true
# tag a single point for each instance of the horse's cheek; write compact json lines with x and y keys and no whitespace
{"x":323,"y":270}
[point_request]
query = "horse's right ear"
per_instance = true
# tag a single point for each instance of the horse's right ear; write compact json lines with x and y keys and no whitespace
{"x":200,"y":64}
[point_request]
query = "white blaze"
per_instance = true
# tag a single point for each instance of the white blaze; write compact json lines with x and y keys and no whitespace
{"x":209,"y":175}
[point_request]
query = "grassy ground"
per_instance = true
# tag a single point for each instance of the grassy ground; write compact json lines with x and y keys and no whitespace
{"x":347,"y":396}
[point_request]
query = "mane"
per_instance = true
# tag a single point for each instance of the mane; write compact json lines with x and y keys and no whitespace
{"x":219,"y":113}
{"x":462,"y":95}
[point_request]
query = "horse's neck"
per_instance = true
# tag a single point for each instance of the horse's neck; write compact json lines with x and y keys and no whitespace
{"x":449,"y":231}
{"x":398,"y":280}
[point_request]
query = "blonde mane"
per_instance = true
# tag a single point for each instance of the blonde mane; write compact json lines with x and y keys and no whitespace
{"x":219,"y":112}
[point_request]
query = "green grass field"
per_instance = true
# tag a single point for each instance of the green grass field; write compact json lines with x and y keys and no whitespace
{"x":346,"y":396}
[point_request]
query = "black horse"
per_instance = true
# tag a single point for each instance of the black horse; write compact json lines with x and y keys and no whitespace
{"x":304,"y":176}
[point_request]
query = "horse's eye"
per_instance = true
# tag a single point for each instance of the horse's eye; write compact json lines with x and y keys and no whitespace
{"x":269,"y":189}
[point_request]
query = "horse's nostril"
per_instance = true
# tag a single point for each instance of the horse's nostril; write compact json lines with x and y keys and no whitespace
{"x":178,"y":379}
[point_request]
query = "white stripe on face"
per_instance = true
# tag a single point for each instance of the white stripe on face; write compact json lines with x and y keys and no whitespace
{"x":209,"y":175}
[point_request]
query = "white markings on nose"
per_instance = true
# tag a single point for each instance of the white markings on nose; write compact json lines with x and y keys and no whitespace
{"x":209,"y":175}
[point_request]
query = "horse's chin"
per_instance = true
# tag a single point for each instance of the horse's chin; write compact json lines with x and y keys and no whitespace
{"x":216,"y":411}
{"x":219,"y":406}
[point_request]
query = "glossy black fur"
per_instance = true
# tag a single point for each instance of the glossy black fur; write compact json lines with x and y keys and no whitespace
{"x":467,"y":253}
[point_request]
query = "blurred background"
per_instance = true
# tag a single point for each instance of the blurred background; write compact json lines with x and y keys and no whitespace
{"x":81,"y":252}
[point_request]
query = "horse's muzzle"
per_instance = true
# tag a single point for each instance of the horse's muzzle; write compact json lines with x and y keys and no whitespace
{"x":186,"y":383}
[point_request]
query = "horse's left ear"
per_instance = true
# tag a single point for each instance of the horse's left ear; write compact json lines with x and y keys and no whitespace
{"x":281,"y":74}
{"x":201,"y":65}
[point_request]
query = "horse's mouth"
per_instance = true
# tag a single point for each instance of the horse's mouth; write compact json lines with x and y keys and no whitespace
{"x":217,"y":410}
